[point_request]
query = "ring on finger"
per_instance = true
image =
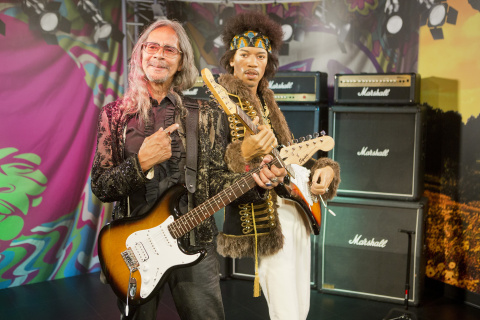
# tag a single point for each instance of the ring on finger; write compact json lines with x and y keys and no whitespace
{"x":274,"y":179}
{"x":168,"y":135}
{"x":268,"y":184}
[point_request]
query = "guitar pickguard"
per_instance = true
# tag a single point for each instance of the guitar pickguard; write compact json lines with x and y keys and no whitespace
{"x":301,"y":180}
{"x":156,"y":251}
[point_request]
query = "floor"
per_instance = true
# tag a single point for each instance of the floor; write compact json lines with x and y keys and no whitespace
{"x":84,"y":297}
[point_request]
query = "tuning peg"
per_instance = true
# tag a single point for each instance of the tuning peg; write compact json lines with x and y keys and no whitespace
{"x":295,"y":141}
{"x":288,"y":144}
{"x":322,"y":132}
{"x":316,"y":135}
{"x":309,"y":137}
{"x":302,"y":139}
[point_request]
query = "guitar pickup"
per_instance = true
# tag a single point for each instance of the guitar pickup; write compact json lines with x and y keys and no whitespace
{"x":130,"y":260}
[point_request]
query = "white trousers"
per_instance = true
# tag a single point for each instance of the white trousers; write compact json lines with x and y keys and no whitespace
{"x":285,"y":276}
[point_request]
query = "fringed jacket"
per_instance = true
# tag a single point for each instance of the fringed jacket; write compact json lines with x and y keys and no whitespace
{"x":240,"y":226}
{"x":115,"y":177}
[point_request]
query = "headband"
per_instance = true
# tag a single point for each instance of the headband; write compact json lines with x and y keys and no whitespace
{"x":250,"y":39}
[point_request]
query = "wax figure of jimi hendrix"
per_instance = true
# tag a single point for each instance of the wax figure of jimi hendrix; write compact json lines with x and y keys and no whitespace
{"x":271,"y":230}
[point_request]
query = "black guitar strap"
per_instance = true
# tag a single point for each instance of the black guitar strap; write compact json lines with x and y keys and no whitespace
{"x":192,"y":146}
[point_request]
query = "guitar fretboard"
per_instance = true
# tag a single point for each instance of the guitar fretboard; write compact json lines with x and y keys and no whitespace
{"x":194,"y":217}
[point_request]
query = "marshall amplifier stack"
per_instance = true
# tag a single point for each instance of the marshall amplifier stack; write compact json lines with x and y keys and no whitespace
{"x":378,"y":128}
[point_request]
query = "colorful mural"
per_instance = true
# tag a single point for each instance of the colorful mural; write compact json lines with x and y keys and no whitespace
{"x":50,"y":98}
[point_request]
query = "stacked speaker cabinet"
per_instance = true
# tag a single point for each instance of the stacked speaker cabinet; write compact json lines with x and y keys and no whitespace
{"x":379,"y":149}
{"x":378,"y":128}
{"x":364,"y":254}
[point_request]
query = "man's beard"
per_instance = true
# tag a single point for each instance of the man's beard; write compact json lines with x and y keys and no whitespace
{"x":157,"y":81}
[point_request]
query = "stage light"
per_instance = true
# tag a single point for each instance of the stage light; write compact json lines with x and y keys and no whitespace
{"x":398,"y":25}
{"x":287,"y":32}
{"x":46,"y":18}
{"x":103,"y":30}
{"x":437,"y":16}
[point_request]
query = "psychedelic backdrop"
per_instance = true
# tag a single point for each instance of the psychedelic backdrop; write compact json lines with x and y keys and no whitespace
{"x":49,"y":103}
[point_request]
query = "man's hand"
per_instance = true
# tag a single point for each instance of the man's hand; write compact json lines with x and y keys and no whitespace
{"x":156,"y":148}
{"x":269,"y":178}
{"x":259,"y":144}
{"x":321,"y":180}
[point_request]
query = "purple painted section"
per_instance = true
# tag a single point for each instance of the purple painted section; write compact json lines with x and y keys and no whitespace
{"x":47,"y":109}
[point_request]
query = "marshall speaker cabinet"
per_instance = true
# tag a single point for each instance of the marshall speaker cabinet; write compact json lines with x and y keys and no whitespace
{"x":363,"y":253}
{"x":387,"y":88}
{"x":379,"y":149}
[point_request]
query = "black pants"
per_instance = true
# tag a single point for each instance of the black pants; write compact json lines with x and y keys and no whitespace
{"x":195,"y":290}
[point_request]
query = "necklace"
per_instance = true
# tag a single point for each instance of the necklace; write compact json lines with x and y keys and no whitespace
{"x":265,"y":111}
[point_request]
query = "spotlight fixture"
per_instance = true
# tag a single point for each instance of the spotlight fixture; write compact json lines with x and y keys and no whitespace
{"x":102,"y":29}
{"x":46,"y":18}
{"x":288,"y":29}
{"x":397,"y":26}
{"x":436,"y":17}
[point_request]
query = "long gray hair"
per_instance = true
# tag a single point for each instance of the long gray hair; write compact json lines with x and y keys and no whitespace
{"x":137,"y":98}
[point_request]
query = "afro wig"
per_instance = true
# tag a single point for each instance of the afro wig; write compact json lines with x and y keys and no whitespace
{"x":252,"y":21}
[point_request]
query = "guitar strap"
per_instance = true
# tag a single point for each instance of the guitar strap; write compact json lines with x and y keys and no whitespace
{"x":191,"y":149}
{"x":192,"y":146}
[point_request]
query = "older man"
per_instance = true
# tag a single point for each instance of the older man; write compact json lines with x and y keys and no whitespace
{"x":144,"y":147}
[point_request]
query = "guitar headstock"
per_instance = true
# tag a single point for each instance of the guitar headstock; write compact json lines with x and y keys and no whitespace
{"x":219,"y":92}
{"x":299,"y":153}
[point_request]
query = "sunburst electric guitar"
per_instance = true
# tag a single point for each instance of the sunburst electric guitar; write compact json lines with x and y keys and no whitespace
{"x":138,"y":253}
{"x":294,"y":156}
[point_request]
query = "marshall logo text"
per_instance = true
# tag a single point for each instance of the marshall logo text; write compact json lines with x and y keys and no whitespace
{"x":373,"y":93}
{"x":189,"y":92}
{"x":358,"y":241}
{"x":282,"y":85}
{"x":373,"y":153}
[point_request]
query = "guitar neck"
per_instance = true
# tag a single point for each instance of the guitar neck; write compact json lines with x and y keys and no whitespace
{"x":194,"y":217}
{"x":247,"y":121}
